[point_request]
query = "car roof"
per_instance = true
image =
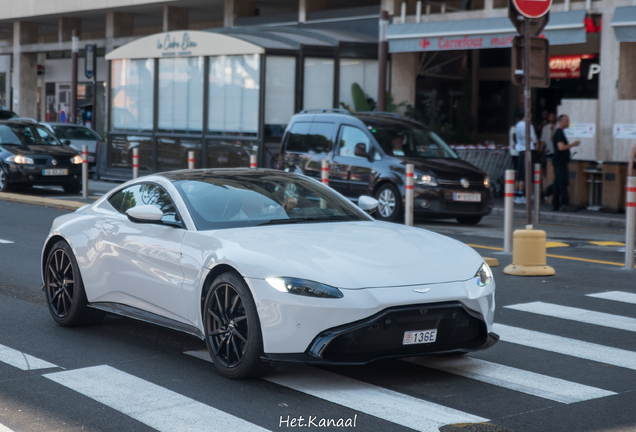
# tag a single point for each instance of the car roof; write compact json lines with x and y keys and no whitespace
{"x":375,"y":117}
{"x":18,"y":122}
{"x":188,"y":174}
{"x":62,"y":124}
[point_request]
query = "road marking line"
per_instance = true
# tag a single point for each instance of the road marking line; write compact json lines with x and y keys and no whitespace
{"x":21,"y":360}
{"x":555,"y":244}
{"x":377,"y":401}
{"x":607,"y":243}
{"x":153,"y":405}
{"x":576,"y":314}
{"x":619,"y":296}
{"x":531,"y":383}
{"x":571,"y":347}
{"x":3,"y":428}
{"x":5,"y":241}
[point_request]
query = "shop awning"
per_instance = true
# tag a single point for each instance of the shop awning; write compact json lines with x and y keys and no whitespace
{"x":624,"y":23}
{"x":564,"y":28}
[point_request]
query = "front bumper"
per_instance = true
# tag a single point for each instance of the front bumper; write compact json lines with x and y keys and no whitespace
{"x":32,"y":174}
{"x":438,"y":202}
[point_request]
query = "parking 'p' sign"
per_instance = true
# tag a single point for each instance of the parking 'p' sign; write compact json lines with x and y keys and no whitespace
{"x":532,"y":8}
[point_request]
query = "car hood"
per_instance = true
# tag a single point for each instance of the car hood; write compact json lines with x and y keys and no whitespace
{"x":448,"y":169}
{"x":37,"y":150}
{"x":346,"y":255}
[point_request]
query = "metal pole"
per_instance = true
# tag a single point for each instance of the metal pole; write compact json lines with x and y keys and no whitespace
{"x":85,"y":171}
{"x":135,"y":163}
{"x":383,"y":58}
{"x":72,"y":118}
{"x":528,"y":116}
{"x":509,"y":194}
{"x":324,"y":172}
{"x":190,"y":160}
{"x":537,"y":193}
{"x":94,"y":115}
{"x":630,"y":223}
{"x":408,"y":207}
{"x":418,"y":11}
{"x":253,"y":163}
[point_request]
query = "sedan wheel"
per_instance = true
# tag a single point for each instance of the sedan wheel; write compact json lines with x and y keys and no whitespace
{"x":232,"y":329}
{"x":65,"y":291}
{"x":389,"y":203}
{"x":4,"y":181}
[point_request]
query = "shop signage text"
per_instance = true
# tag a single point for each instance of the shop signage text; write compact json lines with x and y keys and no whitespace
{"x":466,"y":42}
{"x":624,"y":131}
{"x":580,"y":130}
{"x":567,"y":67}
{"x":172,"y":46}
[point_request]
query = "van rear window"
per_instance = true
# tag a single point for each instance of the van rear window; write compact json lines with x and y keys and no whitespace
{"x":310,"y":138}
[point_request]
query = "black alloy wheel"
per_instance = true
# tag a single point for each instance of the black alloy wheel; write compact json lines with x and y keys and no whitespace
{"x":4,"y":181}
{"x":65,"y":290}
{"x":232,"y":329}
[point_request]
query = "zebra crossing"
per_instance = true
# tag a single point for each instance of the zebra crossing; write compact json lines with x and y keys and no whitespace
{"x":166,"y":410}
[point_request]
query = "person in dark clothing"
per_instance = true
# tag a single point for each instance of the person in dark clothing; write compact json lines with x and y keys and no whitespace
{"x":561,"y":159}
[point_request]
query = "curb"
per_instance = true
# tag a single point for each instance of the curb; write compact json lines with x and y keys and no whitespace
{"x":46,"y":202}
{"x":567,"y":219}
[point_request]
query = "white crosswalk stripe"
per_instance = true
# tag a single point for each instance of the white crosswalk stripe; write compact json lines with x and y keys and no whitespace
{"x":3,"y":428}
{"x":576,"y":314}
{"x":619,"y":296}
{"x":5,"y":241}
{"x":514,"y":379}
{"x":21,"y":360}
{"x":148,"y":403}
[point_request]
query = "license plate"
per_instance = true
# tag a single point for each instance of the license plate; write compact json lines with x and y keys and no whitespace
{"x":52,"y":172}
{"x":419,"y":337}
{"x":458,"y":196}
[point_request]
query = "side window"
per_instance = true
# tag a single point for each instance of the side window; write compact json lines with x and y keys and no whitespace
{"x":145,"y":194}
{"x":310,"y":138}
{"x":46,"y":135}
{"x":349,"y":138}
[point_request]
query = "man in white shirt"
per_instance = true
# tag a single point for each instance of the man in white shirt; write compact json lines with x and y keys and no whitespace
{"x":520,"y":146}
{"x":547,"y":147}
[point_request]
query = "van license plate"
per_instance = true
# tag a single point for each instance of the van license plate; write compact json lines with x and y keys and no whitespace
{"x":54,"y":172}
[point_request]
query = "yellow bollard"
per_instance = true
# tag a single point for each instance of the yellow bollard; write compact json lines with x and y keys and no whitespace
{"x":492,"y":262}
{"x":528,"y":254}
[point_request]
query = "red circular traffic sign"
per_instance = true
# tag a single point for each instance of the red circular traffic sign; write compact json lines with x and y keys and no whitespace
{"x":532,"y":8}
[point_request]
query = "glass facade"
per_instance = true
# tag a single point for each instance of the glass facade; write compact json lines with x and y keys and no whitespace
{"x":318,"y":83}
{"x":132,"y":95}
{"x":280,"y":94}
{"x":360,"y":71}
{"x":181,"y":95}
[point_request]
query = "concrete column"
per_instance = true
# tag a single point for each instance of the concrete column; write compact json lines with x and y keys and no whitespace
{"x":118,"y":24}
{"x":65,"y":27}
{"x":302,"y":11}
{"x":608,"y":81}
{"x":228,"y":13}
{"x":404,"y":70}
{"x":389,"y":5}
{"x":175,"y":18}
{"x":489,"y":4}
{"x":474,"y":109}
{"x":25,"y":70}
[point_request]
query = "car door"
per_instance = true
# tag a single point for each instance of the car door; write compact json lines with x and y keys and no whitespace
{"x":355,"y":171}
{"x":141,"y":261}
{"x":307,"y":145}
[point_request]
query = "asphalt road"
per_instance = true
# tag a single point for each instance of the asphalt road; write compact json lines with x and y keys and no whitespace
{"x":566,"y":360}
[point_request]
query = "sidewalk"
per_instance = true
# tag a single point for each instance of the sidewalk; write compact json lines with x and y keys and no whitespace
{"x":583,"y":217}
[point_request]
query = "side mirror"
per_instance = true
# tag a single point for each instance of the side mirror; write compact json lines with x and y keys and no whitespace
{"x":66,"y":142}
{"x":361,"y":150}
{"x":144,"y":214}
{"x":368,"y":204}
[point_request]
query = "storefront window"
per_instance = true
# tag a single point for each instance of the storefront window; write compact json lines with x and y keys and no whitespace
{"x":121,"y":151}
{"x":181,"y":95}
{"x":132,"y":90}
{"x":280,"y":85}
{"x":172,"y":153}
{"x":362,"y":72}
{"x":228,"y":153}
{"x":318,"y":83}
{"x":234,"y":95}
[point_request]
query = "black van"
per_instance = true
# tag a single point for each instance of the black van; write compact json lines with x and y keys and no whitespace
{"x":370,"y":159}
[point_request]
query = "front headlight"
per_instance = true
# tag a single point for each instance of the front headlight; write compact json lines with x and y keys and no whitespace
{"x":484,"y":275}
{"x":77,"y":159}
{"x":424,"y":179}
{"x":304,"y":287}
{"x":19,"y":159}
{"x":486,"y":181}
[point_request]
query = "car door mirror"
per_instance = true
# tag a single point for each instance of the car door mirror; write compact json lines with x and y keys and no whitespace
{"x":368,"y":204}
{"x":361,"y":151}
{"x":144,"y":214}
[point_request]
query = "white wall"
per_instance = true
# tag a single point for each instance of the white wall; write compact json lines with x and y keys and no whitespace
{"x":59,"y":70}
{"x":582,"y":111}
{"x":12,"y":9}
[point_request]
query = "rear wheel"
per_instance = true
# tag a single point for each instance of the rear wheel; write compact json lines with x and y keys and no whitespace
{"x":469,"y":220}
{"x":232,"y":328}
{"x":389,"y":203}
{"x":65,"y":293}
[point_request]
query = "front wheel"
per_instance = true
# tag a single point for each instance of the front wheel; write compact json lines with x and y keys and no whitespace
{"x":389,"y":203}
{"x":469,"y":220}
{"x":232,"y":329}
{"x":4,"y":181}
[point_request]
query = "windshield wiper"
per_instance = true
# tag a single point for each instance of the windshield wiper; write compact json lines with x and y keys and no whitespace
{"x":278,"y":222}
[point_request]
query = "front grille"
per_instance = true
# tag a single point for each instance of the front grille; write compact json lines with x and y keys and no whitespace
{"x":473,"y":184}
{"x":40,"y":161}
{"x":464,"y":207}
{"x":383,"y":336}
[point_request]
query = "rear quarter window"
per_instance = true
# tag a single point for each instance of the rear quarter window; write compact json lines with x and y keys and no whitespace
{"x":307,"y":137}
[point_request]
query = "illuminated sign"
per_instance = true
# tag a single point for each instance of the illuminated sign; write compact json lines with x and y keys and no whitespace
{"x":568,"y":66}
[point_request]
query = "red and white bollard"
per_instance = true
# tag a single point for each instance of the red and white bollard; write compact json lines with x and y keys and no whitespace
{"x":84,"y":172}
{"x":408,"y":204}
{"x":509,"y":205}
{"x":135,"y":163}
{"x":537,"y":193}
{"x":324,"y":172}
{"x":630,"y":222}
{"x":253,"y":163}
{"x":190,"y":160}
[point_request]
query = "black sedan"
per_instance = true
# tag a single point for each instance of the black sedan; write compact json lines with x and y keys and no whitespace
{"x":31,"y":155}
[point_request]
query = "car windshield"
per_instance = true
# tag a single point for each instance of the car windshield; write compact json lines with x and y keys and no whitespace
{"x":410,"y":140}
{"x":26,"y":134}
{"x":240,"y":200}
{"x":75,"y":133}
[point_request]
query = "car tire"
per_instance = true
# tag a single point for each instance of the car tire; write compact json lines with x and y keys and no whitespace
{"x":72,"y":188}
{"x":4,"y":181}
{"x":389,"y":203}
{"x":469,"y":220}
{"x":232,"y":329}
{"x":64,"y":289}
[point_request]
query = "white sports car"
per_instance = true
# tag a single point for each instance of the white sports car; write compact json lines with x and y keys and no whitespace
{"x":267,"y":266}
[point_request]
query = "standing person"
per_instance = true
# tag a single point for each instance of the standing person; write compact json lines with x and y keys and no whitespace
{"x":547,"y":132}
{"x":561,"y":160}
{"x":520,"y":146}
